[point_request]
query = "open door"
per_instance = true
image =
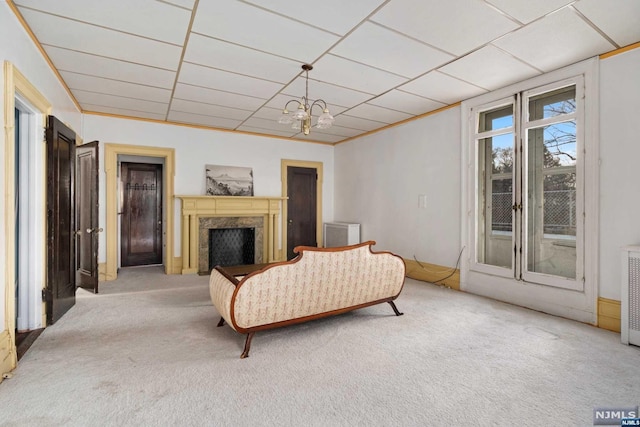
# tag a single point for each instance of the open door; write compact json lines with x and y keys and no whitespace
{"x":87,"y":216}
{"x":60,"y":292}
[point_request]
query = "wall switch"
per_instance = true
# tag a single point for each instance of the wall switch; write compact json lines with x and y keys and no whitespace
{"x":422,"y":201}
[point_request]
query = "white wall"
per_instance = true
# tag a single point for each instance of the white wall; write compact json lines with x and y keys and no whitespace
{"x":620,"y":165}
{"x":196,"y":148}
{"x":17,"y":47}
{"x":380,"y":177}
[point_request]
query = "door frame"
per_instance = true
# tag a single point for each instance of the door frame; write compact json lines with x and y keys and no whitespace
{"x":109,"y":270}
{"x":285,"y":163}
{"x":16,"y":83}
{"x":576,"y":305}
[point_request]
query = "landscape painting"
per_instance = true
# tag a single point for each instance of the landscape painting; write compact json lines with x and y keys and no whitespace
{"x":229,"y":181}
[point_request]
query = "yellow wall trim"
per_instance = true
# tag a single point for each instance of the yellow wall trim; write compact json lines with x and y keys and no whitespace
{"x":410,"y":119}
{"x":619,"y":51}
{"x":111,"y":153}
{"x":285,"y":163}
{"x":7,"y":354}
{"x":432,"y":273}
{"x":193,"y":126}
{"x":609,"y":314}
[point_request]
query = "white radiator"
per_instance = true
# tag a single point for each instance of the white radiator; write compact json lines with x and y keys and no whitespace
{"x":630,"y":304}
{"x":340,"y":234}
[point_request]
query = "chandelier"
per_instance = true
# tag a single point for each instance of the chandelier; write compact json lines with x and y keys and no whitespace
{"x":300,"y":119}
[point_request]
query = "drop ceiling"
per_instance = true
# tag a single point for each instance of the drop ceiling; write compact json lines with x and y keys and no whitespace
{"x":233,"y":64}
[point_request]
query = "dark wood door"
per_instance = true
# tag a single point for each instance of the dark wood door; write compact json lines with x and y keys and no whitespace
{"x":301,"y":208}
{"x":141,"y":214}
{"x":60,"y":292}
{"x":87,"y":227}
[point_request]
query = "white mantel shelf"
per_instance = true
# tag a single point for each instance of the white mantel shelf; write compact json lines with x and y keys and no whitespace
{"x":196,"y":207}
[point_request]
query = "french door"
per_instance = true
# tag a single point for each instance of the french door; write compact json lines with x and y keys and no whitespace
{"x":529,"y":186}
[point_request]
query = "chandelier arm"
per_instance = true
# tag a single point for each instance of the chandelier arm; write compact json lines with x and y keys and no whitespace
{"x":286,"y":106}
{"x":319,"y":103}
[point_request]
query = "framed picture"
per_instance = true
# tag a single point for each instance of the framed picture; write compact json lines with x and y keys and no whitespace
{"x":229,"y":180}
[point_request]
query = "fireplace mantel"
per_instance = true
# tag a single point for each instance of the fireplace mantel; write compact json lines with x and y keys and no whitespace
{"x":196,"y":207}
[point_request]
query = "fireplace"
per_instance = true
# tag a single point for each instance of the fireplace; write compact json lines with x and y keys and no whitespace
{"x":231,"y":246}
{"x":203,"y":213}
{"x":225,"y":237}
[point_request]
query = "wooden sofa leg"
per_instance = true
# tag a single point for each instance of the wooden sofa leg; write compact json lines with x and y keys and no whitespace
{"x":247,"y":345}
{"x":221,"y":322}
{"x":395,"y":309}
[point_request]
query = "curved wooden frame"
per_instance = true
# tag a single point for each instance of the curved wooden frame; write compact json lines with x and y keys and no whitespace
{"x":300,"y":250}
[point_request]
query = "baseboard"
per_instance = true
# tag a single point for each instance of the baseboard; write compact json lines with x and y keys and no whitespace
{"x":609,"y":314}
{"x":102,"y":273}
{"x":7,"y":354}
{"x":433,"y":273}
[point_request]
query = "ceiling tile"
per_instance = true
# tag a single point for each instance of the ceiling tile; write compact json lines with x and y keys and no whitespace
{"x":209,"y":110}
{"x":380,"y":114}
{"x":455,"y":26}
{"x":52,"y":30}
{"x":614,"y":18}
{"x":267,"y":131}
{"x":379,"y":47}
{"x":442,"y":88}
{"x":217,"y":97}
{"x":244,"y":24}
{"x":121,"y":112}
{"x":114,"y":87}
{"x":357,"y":123}
{"x":407,"y":102}
{"x":257,"y":122}
{"x":339,"y":131}
{"x":489,"y":68}
{"x":242,"y":60}
{"x":222,"y":80}
{"x":559,"y":39}
{"x":337,"y":16}
{"x":334,"y":96}
{"x":197,"y":119}
{"x":526,"y":11}
{"x":84,"y":63}
{"x":338,"y":71}
{"x":268,"y":113}
{"x":93,"y":98}
{"x":148,"y":18}
{"x":188,"y":4}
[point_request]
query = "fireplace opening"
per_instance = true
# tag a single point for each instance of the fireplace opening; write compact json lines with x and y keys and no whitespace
{"x":231,"y":246}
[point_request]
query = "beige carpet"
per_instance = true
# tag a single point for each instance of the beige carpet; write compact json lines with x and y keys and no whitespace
{"x":146,"y":351}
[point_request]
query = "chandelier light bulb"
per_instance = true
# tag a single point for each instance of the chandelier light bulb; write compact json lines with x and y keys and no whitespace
{"x":285,"y":118}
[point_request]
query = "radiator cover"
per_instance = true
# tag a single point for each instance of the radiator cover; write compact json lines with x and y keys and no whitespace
{"x":630,"y":304}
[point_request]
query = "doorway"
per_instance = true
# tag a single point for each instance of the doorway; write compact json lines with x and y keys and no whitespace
{"x":114,"y":154}
{"x":141,"y":214}
{"x":29,"y":224}
{"x":302,"y":210}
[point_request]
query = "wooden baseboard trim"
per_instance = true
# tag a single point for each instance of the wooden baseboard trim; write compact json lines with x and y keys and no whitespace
{"x":432,"y":273}
{"x":176,"y":268}
{"x":609,"y":314}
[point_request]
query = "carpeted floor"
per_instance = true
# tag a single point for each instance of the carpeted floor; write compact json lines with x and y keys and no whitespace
{"x":146,"y":351}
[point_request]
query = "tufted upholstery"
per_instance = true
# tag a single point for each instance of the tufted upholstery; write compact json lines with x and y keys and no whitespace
{"x":318,"y":281}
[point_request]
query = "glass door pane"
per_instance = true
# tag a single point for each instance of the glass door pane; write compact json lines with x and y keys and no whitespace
{"x":551,"y":185}
{"x":496,"y":186}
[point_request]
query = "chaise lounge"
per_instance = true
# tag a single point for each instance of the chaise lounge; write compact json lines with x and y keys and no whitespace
{"x":319,"y":282}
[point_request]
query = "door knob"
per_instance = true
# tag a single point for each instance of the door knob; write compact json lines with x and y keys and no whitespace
{"x":290,"y":221}
{"x":89,"y":230}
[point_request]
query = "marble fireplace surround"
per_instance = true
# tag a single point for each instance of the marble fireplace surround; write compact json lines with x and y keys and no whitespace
{"x":208,"y":223}
{"x":201,"y":213}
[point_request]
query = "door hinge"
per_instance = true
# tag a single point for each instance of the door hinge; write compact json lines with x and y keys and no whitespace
{"x":45,"y":295}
